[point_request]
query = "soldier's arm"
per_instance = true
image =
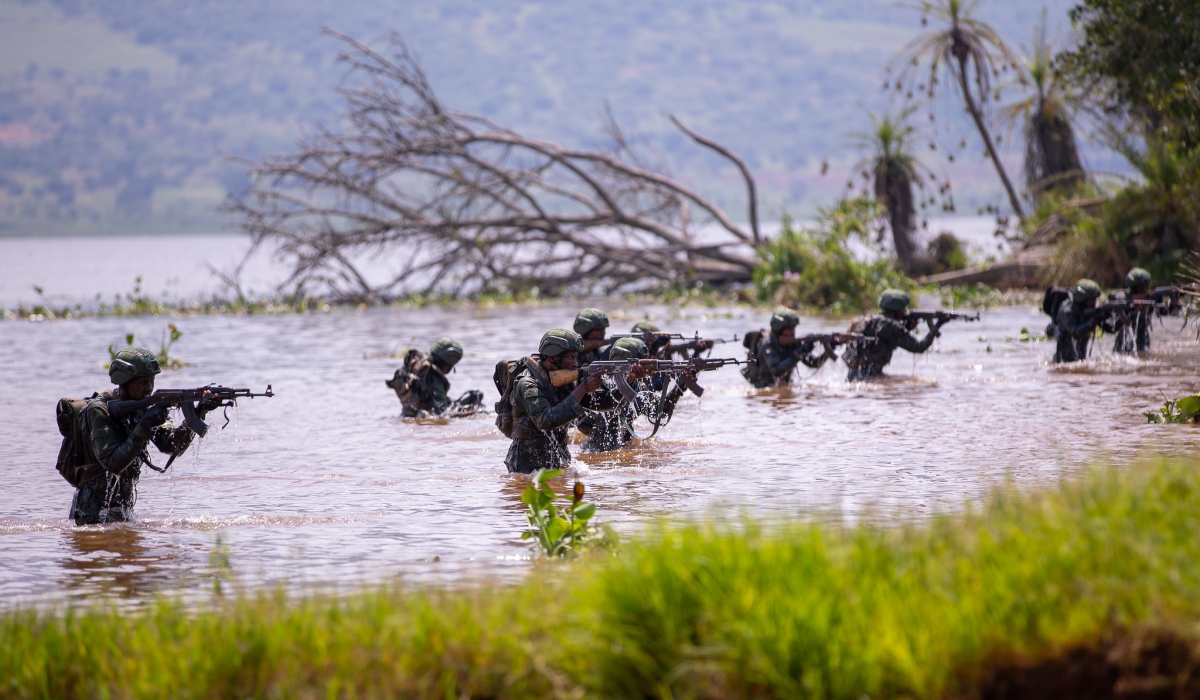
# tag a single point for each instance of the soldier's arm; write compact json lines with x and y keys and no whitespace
{"x":896,"y":334}
{"x":811,"y":360}
{"x":545,"y":415}
{"x":779,"y":363}
{"x":114,"y":453}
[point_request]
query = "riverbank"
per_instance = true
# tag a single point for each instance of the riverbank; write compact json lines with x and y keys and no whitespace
{"x":1096,"y":582}
{"x":136,"y":303}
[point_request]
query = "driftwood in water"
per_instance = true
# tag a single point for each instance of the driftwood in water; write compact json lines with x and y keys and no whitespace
{"x":474,"y":207}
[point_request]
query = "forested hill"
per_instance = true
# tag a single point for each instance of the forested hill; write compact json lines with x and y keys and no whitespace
{"x":115,"y":114}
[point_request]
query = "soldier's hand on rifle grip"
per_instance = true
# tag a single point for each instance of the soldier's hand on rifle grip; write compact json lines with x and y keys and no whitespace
{"x":828,"y":345}
{"x":639,"y":371}
{"x":153,"y":417}
{"x":210,"y":402}
{"x":593,"y":382}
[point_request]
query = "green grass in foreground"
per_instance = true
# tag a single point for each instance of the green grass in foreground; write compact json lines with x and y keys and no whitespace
{"x":704,"y":610}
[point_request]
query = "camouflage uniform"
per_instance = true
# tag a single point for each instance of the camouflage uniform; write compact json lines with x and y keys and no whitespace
{"x":610,"y":417}
{"x":1073,"y":329}
{"x":774,"y":361}
{"x":119,"y":446}
{"x":423,"y":389}
{"x":1132,"y":329}
{"x":890,"y":334}
{"x":867,"y":359}
{"x":541,"y":412}
{"x":777,"y":361}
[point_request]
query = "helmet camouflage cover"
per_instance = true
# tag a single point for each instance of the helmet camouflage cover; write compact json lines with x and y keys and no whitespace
{"x":589,"y":320}
{"x":447,"y":350}
{"x":628,"y":349}
{"x":1084,"y":290}
{"x":644,"y":327}
{"x":1137,"y":277}
{"x":783,"y":317}
{"x":560,"y":340}
{"x":894,"y":300}
{"x":131,"y":363}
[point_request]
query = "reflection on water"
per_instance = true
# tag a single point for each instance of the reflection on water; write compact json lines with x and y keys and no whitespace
{"x":117,"y":560}
{"x":326,"y":485}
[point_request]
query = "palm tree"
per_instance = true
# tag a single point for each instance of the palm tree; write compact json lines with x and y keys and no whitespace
{"x":972,"y":54}
{"x":1051,"y":152}
{"x":895,"y":171}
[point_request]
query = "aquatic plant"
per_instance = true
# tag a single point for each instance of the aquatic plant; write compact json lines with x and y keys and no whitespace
{"x":556,"y":535}
{"x":1182,"y":410}
{"x":170,"y":335}
{"x":816,"y":266}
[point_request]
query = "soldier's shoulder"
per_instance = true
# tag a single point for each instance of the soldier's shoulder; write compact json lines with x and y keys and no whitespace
{"x":97,"y":404}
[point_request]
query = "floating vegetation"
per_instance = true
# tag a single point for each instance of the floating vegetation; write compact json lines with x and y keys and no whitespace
{"x":981,"y":296}
{"x":1183,"y":410}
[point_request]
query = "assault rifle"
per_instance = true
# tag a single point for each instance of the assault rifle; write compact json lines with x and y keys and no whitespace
{"x":1122,"y":305}
{"x":186,"y":400}
{"x":939,"y":316}
{"x":696,"y":344}
{"x":835,"y":338}
{"x":619,"y":370}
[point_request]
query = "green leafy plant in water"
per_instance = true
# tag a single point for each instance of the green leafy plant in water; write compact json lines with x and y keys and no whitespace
{"x":816,"y":266}
{"x":1184,"y":410}
{"x":170,"y":335}
{"x":559,"y":533}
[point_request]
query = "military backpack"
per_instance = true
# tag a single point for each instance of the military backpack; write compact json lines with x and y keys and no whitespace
{"x":1054,"y":298}
{"x":505,"y":378}
{"x":751,"y":341}
{"x":868,"y":327}
{"x":76,"y":463}
{"x":406,"y":382}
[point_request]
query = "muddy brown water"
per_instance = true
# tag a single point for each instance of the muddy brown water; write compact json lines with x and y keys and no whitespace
{"x":324,"y":485}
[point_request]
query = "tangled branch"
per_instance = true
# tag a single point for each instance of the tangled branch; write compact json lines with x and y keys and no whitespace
{"x":472,"y":207}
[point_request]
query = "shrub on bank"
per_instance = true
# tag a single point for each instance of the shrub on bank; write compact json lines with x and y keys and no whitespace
{"x":703,"y":610}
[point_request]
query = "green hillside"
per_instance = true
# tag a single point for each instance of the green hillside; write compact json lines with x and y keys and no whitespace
{"x":116,"y":114}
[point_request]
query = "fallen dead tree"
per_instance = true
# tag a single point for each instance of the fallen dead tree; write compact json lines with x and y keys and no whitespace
{"x":472,"y":207}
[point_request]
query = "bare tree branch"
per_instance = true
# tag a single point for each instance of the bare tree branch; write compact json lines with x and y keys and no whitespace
{"x":468,"y":206}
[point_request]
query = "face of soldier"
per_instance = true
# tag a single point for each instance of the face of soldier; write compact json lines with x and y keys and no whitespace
{"x":898,"y":314}
{"x":1139,"y":293}
{"x":566,"y":360}
{"x":787,"y":336}
{"x":1089,"y":304}
{"x":594,"y":334}
{"x":138,"y":388}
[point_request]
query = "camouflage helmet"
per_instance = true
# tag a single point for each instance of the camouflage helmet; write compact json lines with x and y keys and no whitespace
{"x":560,"y":340}
{"x":644,"y":327}
{"x":1085,"y":290}
{"x":131,"y":363}
{"x":1137,"y":277}
{"x":783,"y":317}
{"x":894,"y":300}
{"x":446,"y":350}
{"x":589,"y":320}
{"x":629,"y":349}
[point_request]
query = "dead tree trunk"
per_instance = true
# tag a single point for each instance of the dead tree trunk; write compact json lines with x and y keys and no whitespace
{"x":476,"y":207}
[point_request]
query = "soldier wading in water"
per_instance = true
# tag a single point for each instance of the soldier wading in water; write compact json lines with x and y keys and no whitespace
{"x":891,"y":331}
{"x":423,"y":388}
{"x":777,"y":353}
{"x":1074,"y":323}
{"x":117,"y":447}
{"x":608,"y":423}
{"x":541,"y":412}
